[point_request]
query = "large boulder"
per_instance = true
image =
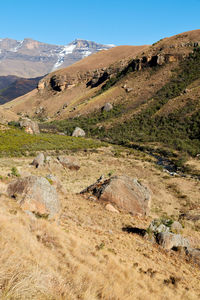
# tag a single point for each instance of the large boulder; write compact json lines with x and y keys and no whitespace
{"x":39,"y":160}
{"x":30,"y":126}
{"x":124,"y":192}
{"x":69,"y":162}
{"x":78,"y":132}
{"x":35,"y":194}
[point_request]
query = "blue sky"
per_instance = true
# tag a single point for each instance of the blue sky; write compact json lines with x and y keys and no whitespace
{"x":126,"y":22}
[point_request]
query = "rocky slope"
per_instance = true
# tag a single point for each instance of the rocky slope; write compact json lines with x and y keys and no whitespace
{"x":30,"y":58}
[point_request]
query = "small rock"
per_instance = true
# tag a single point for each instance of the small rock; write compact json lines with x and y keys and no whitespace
{"x":111,"y":208}
{"x":128,"y":90}
{"x":170,"y":240}
{"x":64,"y":106}
{"x":30,"y":126}
{"x":107,"y":107}
{"x":69,"y":162}
{"x":194,"y":254}
{"x":38,"y":161}
{"x":156,"y":227}
{"x":78,"y":132}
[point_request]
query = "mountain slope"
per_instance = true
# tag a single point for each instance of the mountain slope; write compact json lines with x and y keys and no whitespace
{"x":144,"y":85}
{"x":30,"y":58}
{"x":75,"y":78}
{"x":13,"y":87}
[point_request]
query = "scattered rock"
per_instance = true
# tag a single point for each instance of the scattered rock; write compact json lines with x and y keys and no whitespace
{"x":38,"y":161}
{"x":128,"y":90}
{"x":40,"y":110}
{"x":111,"y":208}
{"x":170,"y":240}
{"x":30,"y":126}
{"x":69,"y":162}
{"x":64,"y":106}
{"x":164,"y":225}
{"x":194,"y":255}
{"x":125,"y":192}
{"x":78,"y":132}
{"x":107,"y":107}
{"x":35,"y":194}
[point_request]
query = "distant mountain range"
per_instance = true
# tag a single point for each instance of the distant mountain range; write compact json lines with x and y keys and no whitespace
{"x":12,"y":87}
{"x":29,"y":58}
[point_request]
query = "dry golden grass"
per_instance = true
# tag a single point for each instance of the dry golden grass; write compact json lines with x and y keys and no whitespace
{"x":85,"y":254}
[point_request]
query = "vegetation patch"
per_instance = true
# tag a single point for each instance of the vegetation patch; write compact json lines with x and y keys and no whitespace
{"x":16,"y":142}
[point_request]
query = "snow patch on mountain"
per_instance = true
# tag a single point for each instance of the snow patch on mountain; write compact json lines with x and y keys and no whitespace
{"x":85,"y":52}
{"x":15,"y":49}
{"x":68,"y":49}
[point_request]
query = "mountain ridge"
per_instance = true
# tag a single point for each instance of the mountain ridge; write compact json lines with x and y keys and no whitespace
{"x":30,"y":58}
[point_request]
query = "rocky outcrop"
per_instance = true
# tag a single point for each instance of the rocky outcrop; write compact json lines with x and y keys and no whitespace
{"x":94,"y":78}
{"x":124,"y":192}
{"x":35,"y":194}
{"x":69,"y":162}
{"x":78,"y":132}
{"x":39,"y":160}
{"x":29,"y":126}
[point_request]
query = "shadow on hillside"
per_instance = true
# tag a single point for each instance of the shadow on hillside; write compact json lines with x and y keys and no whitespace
{"x":135,"y":230}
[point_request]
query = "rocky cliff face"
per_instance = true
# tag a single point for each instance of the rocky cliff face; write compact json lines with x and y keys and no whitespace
{"x":39,"y":58}
{"x":60,"y":82}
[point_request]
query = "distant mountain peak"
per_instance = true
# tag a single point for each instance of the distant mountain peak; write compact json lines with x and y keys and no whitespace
{"x":39,"y":58}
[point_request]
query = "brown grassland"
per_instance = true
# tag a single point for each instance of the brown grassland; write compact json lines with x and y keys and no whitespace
{"x":84,"y":254}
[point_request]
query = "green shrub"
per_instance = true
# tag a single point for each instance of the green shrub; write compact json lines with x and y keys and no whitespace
{"x":15,"y":172}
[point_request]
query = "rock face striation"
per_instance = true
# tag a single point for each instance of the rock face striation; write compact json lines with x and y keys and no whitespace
{"x":35,"y":194}
{"x":124,"y":192}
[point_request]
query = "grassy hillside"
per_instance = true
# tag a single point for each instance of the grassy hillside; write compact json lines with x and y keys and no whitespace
{"x":179,"y":129}
{"x":16,"y":142}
